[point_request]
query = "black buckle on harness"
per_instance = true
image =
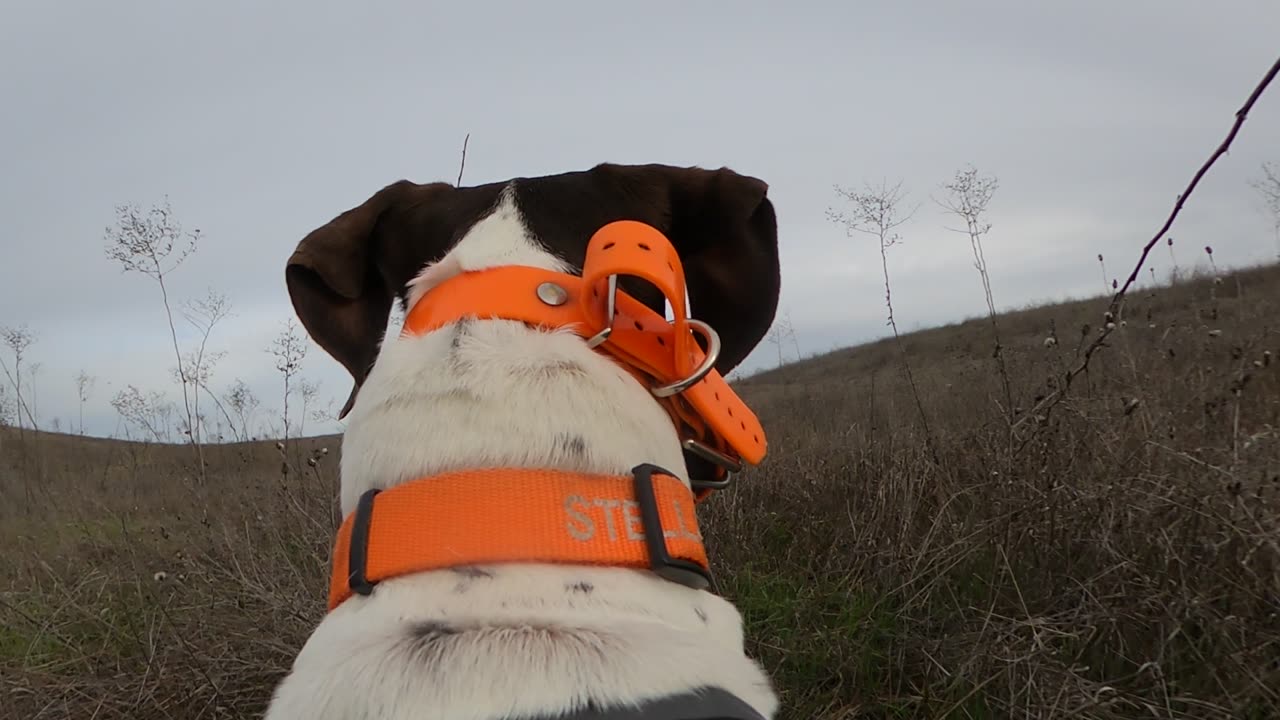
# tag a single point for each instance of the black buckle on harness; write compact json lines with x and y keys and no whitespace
{"x":358,"y":552}
{"x":684,"y":572}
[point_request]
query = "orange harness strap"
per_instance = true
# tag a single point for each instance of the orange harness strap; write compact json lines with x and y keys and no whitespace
{"x":641,"y":521}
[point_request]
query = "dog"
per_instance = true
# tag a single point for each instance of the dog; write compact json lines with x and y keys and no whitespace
{"x":470,"y":393}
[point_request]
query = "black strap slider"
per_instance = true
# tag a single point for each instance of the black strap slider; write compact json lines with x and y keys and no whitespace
{"x":676,"y":570}
{"x":358,"y":552}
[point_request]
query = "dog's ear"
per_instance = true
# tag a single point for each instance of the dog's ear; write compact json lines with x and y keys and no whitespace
{"x":724,"y":227}
{"x":336,"y":286}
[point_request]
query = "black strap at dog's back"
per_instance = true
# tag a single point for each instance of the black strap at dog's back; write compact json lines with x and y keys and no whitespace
{"x":710,"y":703}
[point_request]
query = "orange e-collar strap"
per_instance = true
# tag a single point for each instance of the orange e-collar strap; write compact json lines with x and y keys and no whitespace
{"x":682,"y":378}
{"x":645,"y":520}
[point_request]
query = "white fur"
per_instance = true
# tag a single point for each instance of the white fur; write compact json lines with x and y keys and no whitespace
{"x":528,"y":638}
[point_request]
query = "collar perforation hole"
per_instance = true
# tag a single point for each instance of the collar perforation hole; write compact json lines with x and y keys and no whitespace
{"x":637,"y":324}
{"x":608,"y":245}
{"x":644,"y":247}
{"x":662,"y":342}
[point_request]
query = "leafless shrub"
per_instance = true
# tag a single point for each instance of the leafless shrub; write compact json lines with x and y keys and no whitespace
{"x":84,"y":388}
{"x":203,"y":314}
{"x":149,"y":412}
{"x":18,"y":339}
{"x":289,"y":348}
{"x":1268,"y":188}
{"x":154,"y":244}
{"x":969,"y":194}
{"x":241,"y":401}
{"x":782,"y":331}
{"x":876,"y":212}
{"x":8,"y":407}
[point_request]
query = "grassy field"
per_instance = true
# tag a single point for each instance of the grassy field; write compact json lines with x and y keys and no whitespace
{"x":1116,"y":557}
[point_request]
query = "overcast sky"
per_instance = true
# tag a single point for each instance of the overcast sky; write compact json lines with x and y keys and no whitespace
{"x":261,"y":121}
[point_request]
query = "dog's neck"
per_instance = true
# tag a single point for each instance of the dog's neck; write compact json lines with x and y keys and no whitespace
{"x":463,"y":396}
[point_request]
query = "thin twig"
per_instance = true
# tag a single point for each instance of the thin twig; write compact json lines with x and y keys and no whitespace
{"x":463,"y":165}
{"x":1052,"y":399}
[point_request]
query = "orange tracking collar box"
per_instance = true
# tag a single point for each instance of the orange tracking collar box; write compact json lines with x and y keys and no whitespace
{"x":645,"y":520}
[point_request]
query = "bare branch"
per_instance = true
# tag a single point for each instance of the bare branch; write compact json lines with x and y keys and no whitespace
{"x":463,"y":165}
{"x":1045,"y":406}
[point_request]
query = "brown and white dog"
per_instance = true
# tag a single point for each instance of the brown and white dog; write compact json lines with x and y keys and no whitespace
{"x":489,"y":642}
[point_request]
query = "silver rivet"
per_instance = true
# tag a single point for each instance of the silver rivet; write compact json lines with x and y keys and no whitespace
{"x":552,"y":294}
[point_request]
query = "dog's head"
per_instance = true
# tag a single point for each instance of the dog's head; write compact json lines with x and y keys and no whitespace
{"x":344,"y":276}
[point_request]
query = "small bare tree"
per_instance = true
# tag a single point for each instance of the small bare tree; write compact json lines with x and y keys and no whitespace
{"x":243,"y":403}
{"x":8,"y":408}
{"x":203,"y":314}
{"x":289,"y":349}
{"x":782,"y":331}
{"x":149,"y":412}
{"x":307,"y":391}
{"x":19,"y":339}
{"x":153,"y":243}
{"x":1268,"y":186}
{"x":84,"y":388}
{"x":33,"y":372}
{"x":875,"y":211}
{"x":969,"y":193}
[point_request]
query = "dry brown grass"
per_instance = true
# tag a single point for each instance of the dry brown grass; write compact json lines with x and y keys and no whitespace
{"x":1117,"y":560}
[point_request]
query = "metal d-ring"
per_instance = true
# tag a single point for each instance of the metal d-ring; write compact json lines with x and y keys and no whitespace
{"x":713,"y":352}
{"x":710,"y":454}
{"x":610,"y":309}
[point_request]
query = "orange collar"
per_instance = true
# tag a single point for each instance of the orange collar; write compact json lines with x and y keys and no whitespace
{"x":713,"y":421}
{"x":519,"y":515}
{"x":642,"y":521}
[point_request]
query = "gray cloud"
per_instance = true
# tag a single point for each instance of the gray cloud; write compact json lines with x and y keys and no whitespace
{"x":262,"y":121}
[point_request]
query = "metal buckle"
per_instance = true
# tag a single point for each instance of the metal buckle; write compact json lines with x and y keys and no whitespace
{"x":610,"y":310}
{"x":710,"y":454}
{"x":679,"y":386}
{"x":709,"y":362}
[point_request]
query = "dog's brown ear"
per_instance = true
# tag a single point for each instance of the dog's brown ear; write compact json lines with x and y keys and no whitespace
{"x":336,"y":288}
{"x":724,"y":227}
